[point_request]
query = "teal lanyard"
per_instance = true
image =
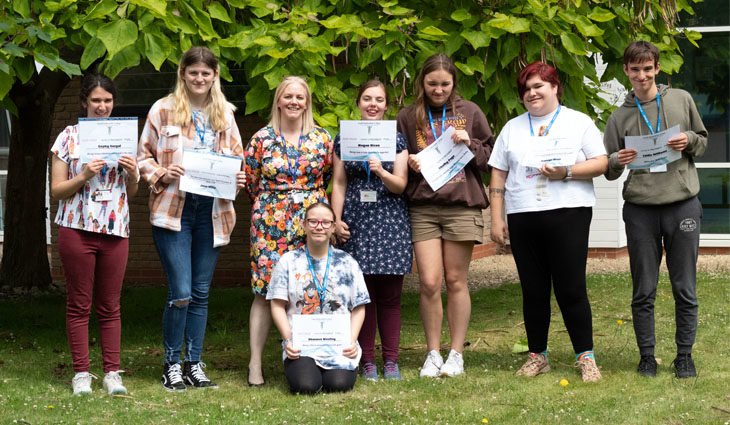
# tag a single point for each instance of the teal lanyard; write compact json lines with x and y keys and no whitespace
{"x":658,"y":114}
{"x":529,"y":118}
{"x":292,"y":164}
{"x":443,"y":122}
{"x":367,"y":170}
{"x":321,"y":289}
{"x":201,"y":135}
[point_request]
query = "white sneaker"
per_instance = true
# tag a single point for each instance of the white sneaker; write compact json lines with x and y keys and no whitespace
{"x":82,"y":383}
{"x":112,"y":383}
{"x":432,"y":366}
{"x":454,"y":364}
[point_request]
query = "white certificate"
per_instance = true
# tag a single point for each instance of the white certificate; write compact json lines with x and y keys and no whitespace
{"x":210,"y":174}
{"x":107,"y":138}
{"x":360,"y":140}
{"x":321,"y":336}
{"x":653,"y":149}
{"x":553,"y":151}
{"x":442,"y":159}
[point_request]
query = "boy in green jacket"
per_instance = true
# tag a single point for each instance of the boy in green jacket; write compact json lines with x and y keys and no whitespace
{"x":661,"y":205}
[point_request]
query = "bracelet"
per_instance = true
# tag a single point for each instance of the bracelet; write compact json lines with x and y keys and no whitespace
{"x":285,"y":343}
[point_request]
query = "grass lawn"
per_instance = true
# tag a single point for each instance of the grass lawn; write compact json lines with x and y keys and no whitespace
{"x":35,"y":368}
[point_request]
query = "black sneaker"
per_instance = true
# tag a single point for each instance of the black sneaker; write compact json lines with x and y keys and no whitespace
{"x":193,"y":376}
{"x":684,"y":366}
{"x":172,"y":379}
{"x":647,"y":366}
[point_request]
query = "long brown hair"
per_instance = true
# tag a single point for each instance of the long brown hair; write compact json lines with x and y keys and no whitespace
{"x":437,"y":62}
{"x":216,"y":105}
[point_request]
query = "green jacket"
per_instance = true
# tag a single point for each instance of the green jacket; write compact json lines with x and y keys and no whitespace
{"x":680,"y":182}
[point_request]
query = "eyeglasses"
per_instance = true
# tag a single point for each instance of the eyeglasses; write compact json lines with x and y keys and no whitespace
{"x":326,"y":224}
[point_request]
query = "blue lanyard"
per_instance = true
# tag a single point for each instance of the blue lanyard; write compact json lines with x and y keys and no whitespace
{"x":529,"y":118}
{"x":201,"y":136}
{"x":321,"y":289}
{"x":292,"y":165}
{"x":367,"y":169}
{"x":658,"y":114}
{"x":443,"y":121}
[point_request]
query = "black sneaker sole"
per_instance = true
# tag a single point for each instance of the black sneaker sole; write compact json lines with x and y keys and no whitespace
{"x":174,"y":390}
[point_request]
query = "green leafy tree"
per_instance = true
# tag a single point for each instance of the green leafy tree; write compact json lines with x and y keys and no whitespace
{"x":335,"y":44}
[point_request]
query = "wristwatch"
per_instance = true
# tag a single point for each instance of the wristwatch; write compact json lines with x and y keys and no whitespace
{"x":568,"y":172}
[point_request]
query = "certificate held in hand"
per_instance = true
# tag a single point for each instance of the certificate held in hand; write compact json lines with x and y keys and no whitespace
{"x":321,"y":336}
{"x":442,"y":159}
{"x":361,"y":140}
{"x":210,"y":174}
{"x":107,"y":138}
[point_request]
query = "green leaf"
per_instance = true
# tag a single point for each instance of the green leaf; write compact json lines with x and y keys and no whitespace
{"x":22,"y":7}
{"x":157,"y":6}
{"x":68,"y":68}
{"x":274,"y":77}
{"x":358,"y":78}
{"x":316,"y":44}
{"x":600,"y":14}
{"x":94,"y":50}
{"x":4,"y":67}
{"x":101,"y":9}
{"x":258,"y":98}
{"x":432,"y":30}
{"x":671,"y":62}
{"x":510,"y":50}
{"x":460,"y":15}
{"x":219,"y":12}
{"x":453,"y":43}
{"x":587,"y":28}
{"x":13,"y":49}
{"x":468,"y":87}
{"x":394,"y":64}
{"x":117,"y":35}
{"x":126,"y":58}
{"x":280,"y":53}
{"x":263,"y":65}
{"x":573,"y":44}
{"x":6,"y":83}
{"x":397,"y":10}
{"x":477,"y":39}
{"x":7,"y":103}
{"x":266,"y":41}
{"x":158,"y":49}
{"x":24,"y":68}
{"x":510,"y":24}
{"x":327,"y":120}
{"x":202,"y":19}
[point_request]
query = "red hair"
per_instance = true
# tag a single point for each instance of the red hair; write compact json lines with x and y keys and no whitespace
{"x":544,"y":71}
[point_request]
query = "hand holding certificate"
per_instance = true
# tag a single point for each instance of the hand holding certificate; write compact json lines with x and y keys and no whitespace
{"x":552,"y":151}
{"x":210,"y":174}
{"x":652,"y":149}
{"x":442,"y":159}
{"x":321,"y":336}
{"x":360,"y":140}
{"x":107,"y":138}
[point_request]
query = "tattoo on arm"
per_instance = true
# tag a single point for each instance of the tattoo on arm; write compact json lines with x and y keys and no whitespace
{"x":495,"y":191}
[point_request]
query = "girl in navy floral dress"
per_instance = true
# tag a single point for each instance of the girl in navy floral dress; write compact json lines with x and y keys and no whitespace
{"x":377,"y":234}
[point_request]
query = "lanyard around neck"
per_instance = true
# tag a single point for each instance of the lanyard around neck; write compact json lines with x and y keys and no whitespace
{"x":201,"y":134}
{"x":321,"y":289}
{"x":443,"y":121}
{"x":292,"y":165}
{"x":658,"y":114}
{"x":529,"y":118}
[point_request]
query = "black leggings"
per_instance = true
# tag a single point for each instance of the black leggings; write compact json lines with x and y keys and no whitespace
{"x":304,"y":376}
{"x":550,"y":250}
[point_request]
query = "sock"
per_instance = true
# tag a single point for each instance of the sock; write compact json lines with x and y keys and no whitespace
{"x":542,"y":353}
{"x":585,"y":355}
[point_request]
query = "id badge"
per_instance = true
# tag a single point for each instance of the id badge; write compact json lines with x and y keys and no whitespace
{"x":368,"y":196}
{"x":101,"y":195}
{"x":658,"y":169}
{"x":297,"y":197}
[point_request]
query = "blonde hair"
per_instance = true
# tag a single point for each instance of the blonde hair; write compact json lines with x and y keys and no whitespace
{"x":307,"y":117}
{"x":216,"y":106}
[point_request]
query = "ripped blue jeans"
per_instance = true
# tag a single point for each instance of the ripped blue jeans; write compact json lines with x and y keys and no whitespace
{"x":188,"y":258}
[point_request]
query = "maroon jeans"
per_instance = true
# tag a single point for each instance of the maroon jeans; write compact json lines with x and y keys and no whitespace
{"x":384,"y":310}
{"x":93,"y":263}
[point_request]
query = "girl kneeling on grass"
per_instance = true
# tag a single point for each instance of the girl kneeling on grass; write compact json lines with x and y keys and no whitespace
{"x":318,"y":279}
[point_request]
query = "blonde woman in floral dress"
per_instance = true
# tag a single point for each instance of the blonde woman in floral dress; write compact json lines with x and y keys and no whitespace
{"x":288,"y":167}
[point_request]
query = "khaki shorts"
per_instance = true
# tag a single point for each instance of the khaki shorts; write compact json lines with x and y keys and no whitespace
{"x":452,"y":223}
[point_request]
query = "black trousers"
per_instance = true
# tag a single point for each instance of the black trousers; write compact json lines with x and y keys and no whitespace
{"x":305,"y":377}
{"x":550,"y":250}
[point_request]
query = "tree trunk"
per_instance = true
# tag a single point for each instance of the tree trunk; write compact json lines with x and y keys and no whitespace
{"x":25,"y":252}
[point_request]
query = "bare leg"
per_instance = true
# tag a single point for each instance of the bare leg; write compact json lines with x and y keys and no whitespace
{"x":259,"y":324}
{"x":456,"y":257}
{"x":430,"y":271}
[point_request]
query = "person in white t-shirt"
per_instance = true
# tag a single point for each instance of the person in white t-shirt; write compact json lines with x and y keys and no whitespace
{"x":549,"y":209}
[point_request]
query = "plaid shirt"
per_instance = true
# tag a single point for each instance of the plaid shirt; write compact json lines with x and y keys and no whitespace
{"x":161,"y":145}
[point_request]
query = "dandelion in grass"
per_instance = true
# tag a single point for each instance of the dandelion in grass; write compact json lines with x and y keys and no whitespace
{"x":485,"y":421}
{"x":620,"y":322}
{"x":564,"y":382}
{"x":50,"y":406}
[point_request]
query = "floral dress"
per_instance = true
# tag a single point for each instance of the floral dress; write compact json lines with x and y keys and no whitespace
{"x":380,"y":232}
{"x":283,"y":180}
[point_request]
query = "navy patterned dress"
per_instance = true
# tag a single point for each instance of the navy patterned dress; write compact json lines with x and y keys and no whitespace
{"x":380,"y":232}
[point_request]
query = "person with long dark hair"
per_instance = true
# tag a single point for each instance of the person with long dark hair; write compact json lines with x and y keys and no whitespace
{"x":94,"y":258}
{"x":446,"y":223}
{"x":188,"y":229}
